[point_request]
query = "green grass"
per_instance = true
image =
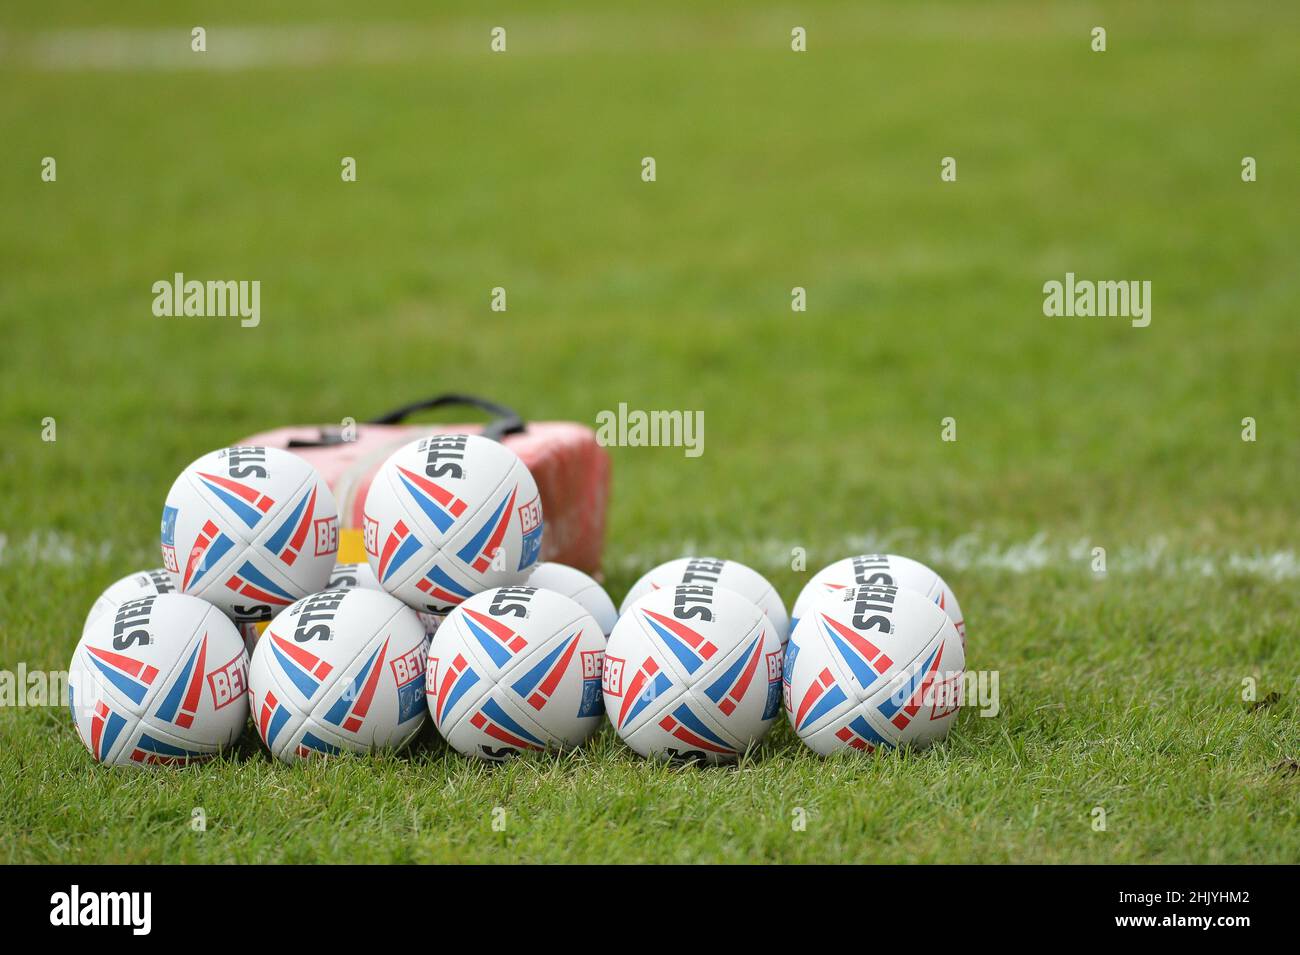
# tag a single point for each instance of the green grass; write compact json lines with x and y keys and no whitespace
{"x":822,"y":428}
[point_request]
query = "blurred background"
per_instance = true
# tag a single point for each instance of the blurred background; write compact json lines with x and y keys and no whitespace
{"x":775,"y":169}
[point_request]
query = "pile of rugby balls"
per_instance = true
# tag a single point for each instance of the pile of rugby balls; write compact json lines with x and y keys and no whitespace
{"x":453,"y":619}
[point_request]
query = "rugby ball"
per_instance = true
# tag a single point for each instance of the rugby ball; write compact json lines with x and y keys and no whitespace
{"x":712,"y":572}
{"x":513,"y":670}
{"x":886,"y":570}
{"x":140,"y":584}
{"x":576,"y":585}
{"x":873,"y":666}
{"x":693,"y":673}
{"x":341,"y":670}
{"x":250,"y":530}
{"x":160,"y":678}
{"x":347,"y":576}
{"x":449,"y":516}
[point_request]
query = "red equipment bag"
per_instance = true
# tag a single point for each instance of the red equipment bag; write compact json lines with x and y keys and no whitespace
{"x":571,"y":470}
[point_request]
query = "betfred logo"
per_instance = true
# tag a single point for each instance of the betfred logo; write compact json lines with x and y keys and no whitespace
{"x":327,"y":535}
{"x":592,"y":665}
{"x":169,"y":526}
{"x":945,"y":696}
{"x":169,"y":540}
{"x":370,"y":530}
{"x":230,"y":682}
{"x":774,"y":666}
{"x":431,"y":684}
{"x":530,"y":515}
{"x":611,"y":676}
{"x":409,"y":668}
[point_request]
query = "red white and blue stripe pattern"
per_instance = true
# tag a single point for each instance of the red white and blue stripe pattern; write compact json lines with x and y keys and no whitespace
{"x":350,"y":710}
{"x":867,"y":661}
{"x":311,"y":745}
{"x":902,"y":705}
{"x":437,"y":583}
{"x":647,"y":686}
{"x":494,"y":721}
{"x":729,"y":689}
{"x":105,"y":727}
{"x":684,"y":725}
{"x":499,"y":641}
{"x":438,"y":504}
{"x":180,"y":703}
{"x":250,"y":582}
{"x":209,"y":547}
{"x":304,"y":669}
{"x":398,"y":549}
{"x":131,"y":677}
{"x":686,"y":645}
{"x":150,"y":750}
{"x":458,"y":679}
{"x":478,"y":552}
{"x":819,"y":699}
{"x":246,"y":503}
{"x":286,"y":541}
{"x":271,"y":719}
{"x":860,"y":734}
{"x":539,"y":683}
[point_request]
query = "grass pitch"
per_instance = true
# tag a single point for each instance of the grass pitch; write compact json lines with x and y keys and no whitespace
{"x":1120,"y":692}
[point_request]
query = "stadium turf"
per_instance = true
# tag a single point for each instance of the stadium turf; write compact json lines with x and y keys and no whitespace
{"x":1161,"y":692}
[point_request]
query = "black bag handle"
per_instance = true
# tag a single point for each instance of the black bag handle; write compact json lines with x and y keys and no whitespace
{"x":504,"y":421}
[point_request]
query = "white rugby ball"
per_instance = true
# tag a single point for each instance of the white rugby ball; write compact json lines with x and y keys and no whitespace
{"x":516,"y":669}
{"x":250,"y":530}
{"x":693,"y":673}
{"x":161,"y":678}
{"x":341,"y":670}
{"x":140,"y":584}
{"x":576,"y":585}
{"x":873,"y":666}
{"x":347,"y":576}
{"x":713,"y":572}
{"x":449,"y":516}
{"x":886,"y":570}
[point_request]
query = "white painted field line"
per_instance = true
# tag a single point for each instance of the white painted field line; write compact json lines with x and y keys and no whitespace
{"x":974,"y":552}
{"x":424,"y":39}
{"x":53,"y":549}
{"x":610,"y":31}
{"x":311,"y":46}
{"x":971,"y":552}
{"x":228,"y":48}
